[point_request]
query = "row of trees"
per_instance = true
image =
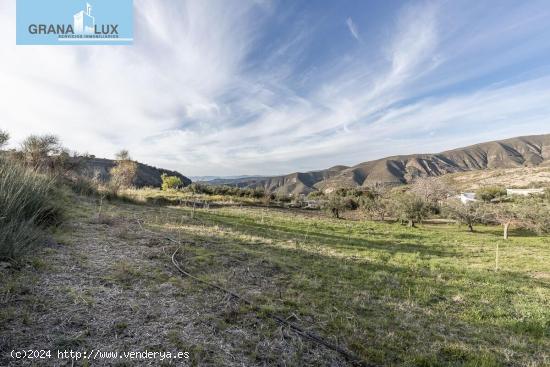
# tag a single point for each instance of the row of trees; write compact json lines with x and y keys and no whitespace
{"x":200,"y":188}
{"x":428,"y":197}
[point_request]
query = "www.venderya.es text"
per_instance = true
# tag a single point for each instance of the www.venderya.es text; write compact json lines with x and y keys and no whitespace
{"x":96,"y":354}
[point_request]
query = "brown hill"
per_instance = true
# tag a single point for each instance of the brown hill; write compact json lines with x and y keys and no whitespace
{"x":146,"y":175}
{"x":527,"y":151}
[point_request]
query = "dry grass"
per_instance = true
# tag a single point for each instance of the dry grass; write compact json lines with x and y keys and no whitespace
{"x":525,"y":177}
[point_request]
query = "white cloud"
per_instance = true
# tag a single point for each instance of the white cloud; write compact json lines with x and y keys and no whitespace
{"x":189,"y":95}
{"x":352,"y":28}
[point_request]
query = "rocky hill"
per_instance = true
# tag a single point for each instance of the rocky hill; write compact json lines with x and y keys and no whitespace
{"x":146,"y":175}
{"x":527,"y":151}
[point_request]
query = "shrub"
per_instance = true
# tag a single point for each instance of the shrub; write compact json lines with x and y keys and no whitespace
{"x":27,"y":205}
{"x":316,"y":195}
{"x":4,"y":138}
{"x":170,"y":182}
{"x":37,"y":150}
{"x":124,"y":172}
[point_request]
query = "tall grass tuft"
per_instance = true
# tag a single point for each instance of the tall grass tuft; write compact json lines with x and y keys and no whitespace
{"x":27,"y":206}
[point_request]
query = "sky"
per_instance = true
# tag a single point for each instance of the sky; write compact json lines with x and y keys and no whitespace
{"x":273,"y":87}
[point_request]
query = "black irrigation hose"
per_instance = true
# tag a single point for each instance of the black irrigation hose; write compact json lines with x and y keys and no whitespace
{"x":349,"y":356}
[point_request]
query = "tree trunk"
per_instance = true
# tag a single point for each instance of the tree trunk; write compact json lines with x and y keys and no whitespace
{"x":470,"y":227}
{"x":506,"y":226}
{"x":411,"y":223}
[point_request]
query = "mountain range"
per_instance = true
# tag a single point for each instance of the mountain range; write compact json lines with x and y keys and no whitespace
{"x":525,"y":151}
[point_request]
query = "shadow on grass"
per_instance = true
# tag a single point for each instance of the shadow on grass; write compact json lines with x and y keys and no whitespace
{"x":382,"y":311}
{"x":416,"y":320}
{"x":277,"y":232}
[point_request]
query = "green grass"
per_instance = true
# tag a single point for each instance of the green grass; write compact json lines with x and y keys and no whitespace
{"x":176,"y":197}
{"x":427,"y":296}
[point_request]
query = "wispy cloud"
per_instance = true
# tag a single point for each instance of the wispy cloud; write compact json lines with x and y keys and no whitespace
{"x":352,"y":28}
{"x":212,"y":89}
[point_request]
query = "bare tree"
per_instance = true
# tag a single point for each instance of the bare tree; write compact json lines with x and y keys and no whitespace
{"x":535,"y":213}
{"x":507,"y":214}
{"x":123,"y":155}
{"x":430,"y":189}
{"x":465,"y":213}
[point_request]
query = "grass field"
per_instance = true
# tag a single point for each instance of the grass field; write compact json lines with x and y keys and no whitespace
{"x":427,"y":296}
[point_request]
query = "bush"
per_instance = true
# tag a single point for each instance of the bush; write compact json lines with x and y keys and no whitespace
{"x":124,"y":173}
{"x":4,"y":138}
{"x":170,"y":182}
{"x":27,"y":205}
{"x":315,"y":195}
{"x":37,"y":150}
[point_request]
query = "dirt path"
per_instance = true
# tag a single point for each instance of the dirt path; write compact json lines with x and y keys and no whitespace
{"x":105,"y":285}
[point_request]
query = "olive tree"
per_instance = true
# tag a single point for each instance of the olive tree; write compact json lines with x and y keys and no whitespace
{"x":335,"y":205}
{"x":491,"y":193}
{"x":410,"y":208}
{"x":375,"y":203}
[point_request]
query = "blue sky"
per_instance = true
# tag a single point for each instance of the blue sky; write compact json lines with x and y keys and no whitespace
{"x":271,"y":87}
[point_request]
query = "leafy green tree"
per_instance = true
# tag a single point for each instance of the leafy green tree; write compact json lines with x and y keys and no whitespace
{"x":335,"y":205}
{"x":375,"y":204}
{"x":410,"y":208}
{"x":491,"y":193}
{"x":170,"y":182}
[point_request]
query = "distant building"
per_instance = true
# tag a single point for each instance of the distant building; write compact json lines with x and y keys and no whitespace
{"x":524,"y":192}
{"x":84,"y":23}
{"x":467,"y":197}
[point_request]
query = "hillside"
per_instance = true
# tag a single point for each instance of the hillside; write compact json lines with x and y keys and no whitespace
{"x":523,"y":177}
{"x":527,"y":151}
{"x":146,"y":175}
